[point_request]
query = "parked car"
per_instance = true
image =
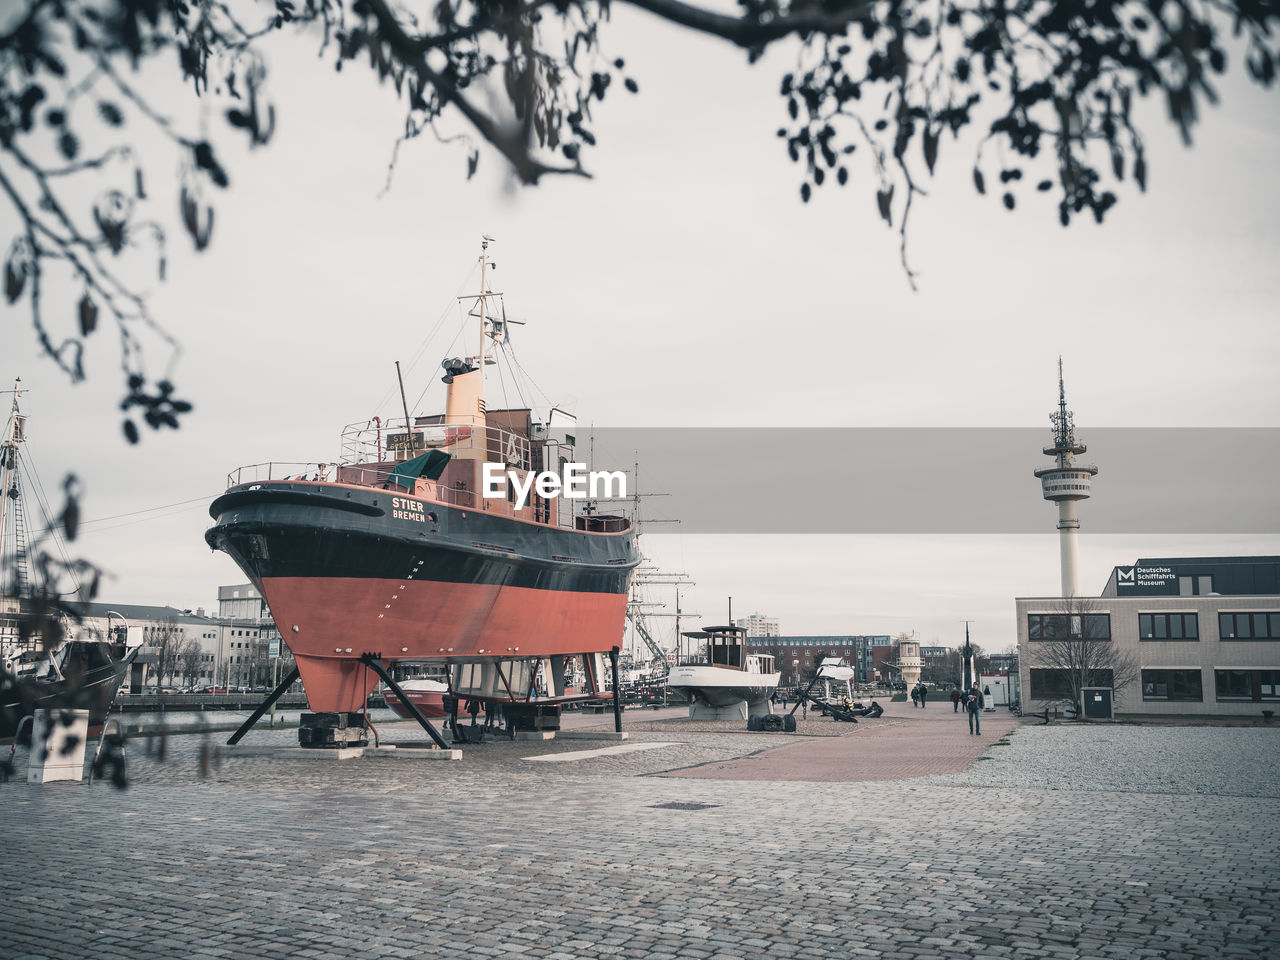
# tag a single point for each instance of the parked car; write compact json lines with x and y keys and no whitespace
{"x":214,"y":690}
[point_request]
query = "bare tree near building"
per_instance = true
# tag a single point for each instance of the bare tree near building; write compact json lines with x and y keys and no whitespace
{"x":190,"y":661}
{"x":949,"y":669}
{"x":1074,"y":642}
{"x":164,"y":639}
{"x":260,"y":666}
{"x":941,"y":670}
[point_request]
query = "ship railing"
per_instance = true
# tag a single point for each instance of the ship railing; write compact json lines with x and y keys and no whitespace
{"x":378,"y":441}
{"x":283,"y":470}
{"x":583,"y":515}
{"x":566,"y":514}
{"x":692,"y":660}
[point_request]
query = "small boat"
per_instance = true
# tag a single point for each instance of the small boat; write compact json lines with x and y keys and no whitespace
{"x":424,"y":693}
{"x":836,"y":677}
{"x":721,"y":679}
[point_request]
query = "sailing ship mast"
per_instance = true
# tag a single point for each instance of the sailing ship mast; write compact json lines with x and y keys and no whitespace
{"x":10,"y":495}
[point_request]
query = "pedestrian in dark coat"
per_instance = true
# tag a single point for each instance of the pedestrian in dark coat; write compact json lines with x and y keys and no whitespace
{"x":974,"y":707}
{"x":915,"y":696}
{"x":955,"y":700}
{"x":924,"y":695}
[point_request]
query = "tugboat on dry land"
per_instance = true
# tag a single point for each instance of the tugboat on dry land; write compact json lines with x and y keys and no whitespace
{"x":721,"y":679}
{"x":398,"y":554}
{"x":75,"y":671}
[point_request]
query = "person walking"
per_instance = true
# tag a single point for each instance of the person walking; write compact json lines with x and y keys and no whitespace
{"x":955,"y":699}
{"x":915,"y":696}
{"x":924,"y":695}
{"x":974,"y":707}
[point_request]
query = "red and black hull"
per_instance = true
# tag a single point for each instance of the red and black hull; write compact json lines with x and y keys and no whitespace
{"x":350,"y":570}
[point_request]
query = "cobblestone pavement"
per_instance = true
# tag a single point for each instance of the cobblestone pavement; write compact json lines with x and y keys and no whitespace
{"x":492,"y":856}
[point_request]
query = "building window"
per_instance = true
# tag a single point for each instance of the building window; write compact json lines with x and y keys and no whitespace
{"x":1255,"y":685}
{"x":1062,"y":626}
{"x":1171,"y":685}
{"x":1249,"y":626}
{"x":1047,"y":684}
{"x":1168,"y":626}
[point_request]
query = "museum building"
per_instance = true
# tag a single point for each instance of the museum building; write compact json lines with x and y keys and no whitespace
{"x":1204,"y":634}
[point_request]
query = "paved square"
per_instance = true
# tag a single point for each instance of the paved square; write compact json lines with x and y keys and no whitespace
{"x":1115,"y":841}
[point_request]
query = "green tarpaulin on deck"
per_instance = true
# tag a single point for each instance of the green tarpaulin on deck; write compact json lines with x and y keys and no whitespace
{"x":430,"y":465}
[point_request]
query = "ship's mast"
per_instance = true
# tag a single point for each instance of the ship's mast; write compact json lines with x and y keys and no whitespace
{"x":15,"y":433}
{"x":492,"y":327}
{"x":484,"y":303}
{"x":464,"y":401}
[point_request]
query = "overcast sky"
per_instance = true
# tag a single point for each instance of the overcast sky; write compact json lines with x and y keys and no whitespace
{"x":686,"y":284}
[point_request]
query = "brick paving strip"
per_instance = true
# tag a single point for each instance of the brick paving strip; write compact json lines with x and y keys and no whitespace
{"x":906,"y":742}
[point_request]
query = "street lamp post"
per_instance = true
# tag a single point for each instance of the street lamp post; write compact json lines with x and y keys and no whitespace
{"x":124,"y":639}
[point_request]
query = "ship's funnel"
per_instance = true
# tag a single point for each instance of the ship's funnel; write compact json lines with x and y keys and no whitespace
{"x":464,"y":410}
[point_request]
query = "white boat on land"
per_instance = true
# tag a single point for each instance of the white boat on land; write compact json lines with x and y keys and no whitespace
{"x":425,"y":693}
{"x":721,"y":679}
{"x":836,"y":677}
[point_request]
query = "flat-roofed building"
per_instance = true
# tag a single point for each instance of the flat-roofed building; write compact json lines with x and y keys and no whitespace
{"x":1204,"y":633}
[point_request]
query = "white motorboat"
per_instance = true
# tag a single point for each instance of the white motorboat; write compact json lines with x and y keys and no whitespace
{"x":721,"y":679}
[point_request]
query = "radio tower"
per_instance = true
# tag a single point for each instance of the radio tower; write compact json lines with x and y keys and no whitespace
{"x":1065,"y":483}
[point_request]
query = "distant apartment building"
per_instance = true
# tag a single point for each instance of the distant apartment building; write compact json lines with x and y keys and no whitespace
{"x":232,"y":649}
{"x":758,"y":625}
{"x":247,"y":638}
{"x":157,"y":629}
{"x":1204,"y":632}
{"x":798,"y":658}
{"x":931,"y":655}
{"x":883,"y":657}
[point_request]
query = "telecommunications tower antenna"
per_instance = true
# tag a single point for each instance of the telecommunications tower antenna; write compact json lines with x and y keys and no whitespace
{"x":1066,"y":482}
